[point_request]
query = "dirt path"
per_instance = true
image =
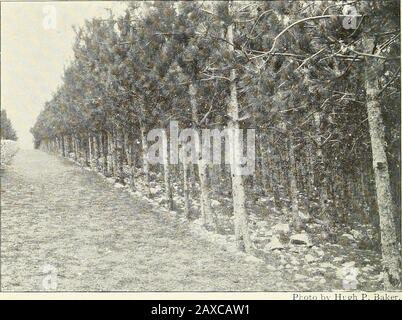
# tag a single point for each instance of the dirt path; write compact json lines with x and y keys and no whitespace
{"x":96,"y":237}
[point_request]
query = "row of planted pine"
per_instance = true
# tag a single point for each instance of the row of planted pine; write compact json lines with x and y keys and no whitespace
{"x":322,"y":98}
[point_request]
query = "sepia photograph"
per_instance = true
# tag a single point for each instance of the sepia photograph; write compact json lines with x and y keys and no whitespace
{"x":201,"y":147}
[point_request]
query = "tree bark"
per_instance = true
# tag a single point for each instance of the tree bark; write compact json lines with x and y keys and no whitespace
{"x":166,"y":174}
{"x":294,"y":192}
{"x":111,"y":160}
{"x":145,"y":164}
{"x":63,"y":146}
{"x":90,"y":149}
{"x":105,"y":151}
{"x":119,"y":155}
{"x":186,"y":190}
{"x":242,"y":234}
{"x":321,"y":170}
{"x":206,"y":211}
{"x":386,"y":208}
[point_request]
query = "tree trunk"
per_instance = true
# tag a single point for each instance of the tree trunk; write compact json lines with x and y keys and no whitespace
{"x":86,"y":146}
{"x":77,"y":149}
{"x":186,"y":190}
{"x":321,"y":171}
{"x":105,"y":151}
{"x":63,"y":146}
{"x":96,"y":150}
{"x":166,"y":174}
{"x":386,"y":208}
{"x":294,"y":192}
{"x":127,"y":148}
{"x":133,"y":164}
{"x":206,"y":211}
{"x":90,"y":150}
{"x":111,"y":160}
{"x":264,"y":176}
{"x":242,"y":234}
{"x":119,"y":155}
{"x":145,"y":164}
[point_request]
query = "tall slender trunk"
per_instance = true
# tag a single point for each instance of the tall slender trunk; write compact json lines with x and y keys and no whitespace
{"x":85,"y":145}
{"x":264,"y":154}
{"x":364,"y":194}
{"x":68,"y":146}
{"x":166,"y":174}
{"x":311,"y":169}
{"x":90,"y":152}
{"x":63,"y":146}
{"x":273,"y":169}
{"x":132,"y":163}
{"x":127,"y":148}
{"x":58,"y":146}
{"x":115,"y":153}
{"x":96,"y":150}
{"x":186,"y":190}
{"x":206,"y":211}
{"x":105,"y":152}
{"x":321,"y":171}
{"x":294,"y":192}
{"x":111,"y":160}
{"x":145,"y":164}
{"x":242,"y":234}
{"x":76,"y":148}
{"x":391,"y":255}
{"x":119,"y":155}
{"x":80,"y":151}
{"x":132,"y":173}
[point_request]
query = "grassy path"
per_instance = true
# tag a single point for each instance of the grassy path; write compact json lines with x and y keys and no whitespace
{"x":97,"y":237}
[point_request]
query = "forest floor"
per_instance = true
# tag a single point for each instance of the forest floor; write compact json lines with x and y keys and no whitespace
{"x":57,"y":216}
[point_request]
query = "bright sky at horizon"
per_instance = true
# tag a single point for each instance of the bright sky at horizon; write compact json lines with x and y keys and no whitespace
{"x":36,"y":45}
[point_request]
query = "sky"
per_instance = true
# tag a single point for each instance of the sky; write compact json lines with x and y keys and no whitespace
{"x":36,"y":45}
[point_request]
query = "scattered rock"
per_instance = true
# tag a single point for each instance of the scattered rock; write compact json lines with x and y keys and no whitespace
{"x":282,"y":261}
{"x":305,"y":217}
{"x":327,"y":265}
{"x":282,"y":228}
{"x":346,"y":239}
{"x":318,"y":251}
{"x":309,"y":258}
{"x":153,"y":190}
{"x":318,"y":272}
{"x":253,"y":259}
{"x":271,"y":268}
{"x":368,"y":268}
{"x":300,"y":277}
{"x":300,"y":239}
{"x":274,"y":244}
{"x":261,"y":224}
{"x":215,"y":203}
{"x":314,"y":226}
{"x":349,"y":264}
{"x":356,"y":234}
{"x":338,"y":259}
{"x":110,"y":180}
